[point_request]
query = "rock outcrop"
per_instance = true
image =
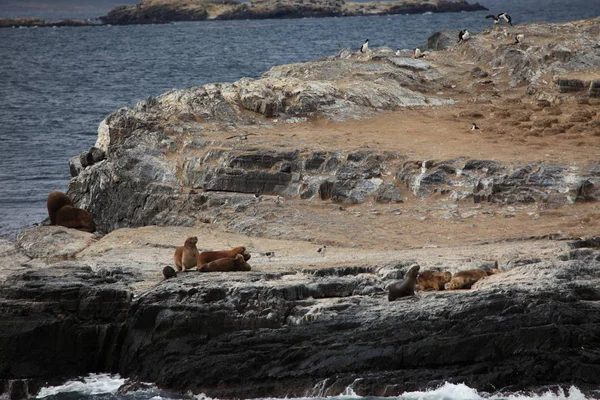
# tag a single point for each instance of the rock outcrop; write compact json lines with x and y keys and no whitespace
{"x":34,"y":22}
{"x":310,"y":332}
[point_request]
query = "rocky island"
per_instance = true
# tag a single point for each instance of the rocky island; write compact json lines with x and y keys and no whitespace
{"x":162,"y":11}
{"x":372,"y":155}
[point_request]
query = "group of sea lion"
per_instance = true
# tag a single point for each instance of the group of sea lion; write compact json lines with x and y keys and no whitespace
{"x":188,"y":256}
{"x":62,"y":212}
{"x":436,"y":280}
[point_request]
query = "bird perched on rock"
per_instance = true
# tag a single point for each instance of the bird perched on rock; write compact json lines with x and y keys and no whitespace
{"x":519,"y":38}
{"x":322,"y":250}
{"x":505,"y":17}
{"x":474,"y":126}
{"x":365,"y":46}
{"x":417,"y":53}
{"x":463,"y":36}
{"x":398,"y":52}
{"x":241,"y":137}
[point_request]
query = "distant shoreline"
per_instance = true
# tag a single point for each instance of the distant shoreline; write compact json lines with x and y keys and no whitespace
{"x":163,"y":12}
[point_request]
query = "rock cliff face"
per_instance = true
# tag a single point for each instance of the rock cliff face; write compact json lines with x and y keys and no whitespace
{"x":161,"y":11}
{"x":308,"y":332}
{"x":282,"y":334}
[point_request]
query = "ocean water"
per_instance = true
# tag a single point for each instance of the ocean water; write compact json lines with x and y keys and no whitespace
{"x":105,"y":387}
{"x":57,"y":84}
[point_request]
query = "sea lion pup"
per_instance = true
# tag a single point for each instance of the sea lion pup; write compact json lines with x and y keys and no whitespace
{"x":169,"y":272}
{"x":226,"y":264}
{"x":434,"y":280}
{"x":208,"y":256}
{"x":405,"y":287}
{"x":187,"y":256}
{"x":465,"y":279}
{"x":56,"y":200}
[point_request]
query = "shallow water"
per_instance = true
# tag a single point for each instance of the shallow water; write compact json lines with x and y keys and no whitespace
{"x":57,"y":84}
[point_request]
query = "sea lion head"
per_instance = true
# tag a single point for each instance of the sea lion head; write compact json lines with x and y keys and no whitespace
{"x":413,"y":272}
{"x":240,"y":263}
{"x":191,"y":241}
{"x":169,"y":272}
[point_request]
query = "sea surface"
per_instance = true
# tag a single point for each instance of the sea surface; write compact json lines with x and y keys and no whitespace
{"x":57,"y":84}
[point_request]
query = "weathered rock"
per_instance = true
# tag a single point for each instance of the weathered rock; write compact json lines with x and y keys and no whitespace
{"x":53,"y":242}
{"x":314,"y":328}
{"x":39,"y":23}
{"x":441,"y":40}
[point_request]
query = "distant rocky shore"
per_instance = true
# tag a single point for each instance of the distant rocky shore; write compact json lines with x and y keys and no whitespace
{"x":40,"y":23}
{"x":163,"y":11}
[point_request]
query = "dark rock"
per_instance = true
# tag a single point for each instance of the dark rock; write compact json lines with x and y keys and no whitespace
{"x":388,"y":193}
{"x":442,"y":40}
{"x":62,"y":321}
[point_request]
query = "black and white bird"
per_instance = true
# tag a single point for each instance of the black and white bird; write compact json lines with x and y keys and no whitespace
{"x":474,"y":126}
{"x":506,"y":18}
{"x":463,"y":36}
{"x":365,"y":46}
{"x":241,"y":137}
{"x":269,"y":254}
{"x":417,"y":53}
{"x":322,"y":250}
{"x":496,"y":20}
{"x":519,"y":38}
{"x":398,"y":52}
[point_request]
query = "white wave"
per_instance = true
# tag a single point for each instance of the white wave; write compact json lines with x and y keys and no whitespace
{"x":91,"y":384}
{"x":450,"y":391}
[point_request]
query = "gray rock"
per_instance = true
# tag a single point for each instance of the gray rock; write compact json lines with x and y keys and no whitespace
{"x":441,"y":40}
{"x":53,"y":242}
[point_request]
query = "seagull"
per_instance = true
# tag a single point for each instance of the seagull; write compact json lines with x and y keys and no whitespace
{"x":418,"y":53}
{"x":496,"y":20}
{"x":322,"y":251}
{"x":474,"y":126}
{"x":463,"y":36}
{"x":505,"y":17}
{"x":365,"y":46}
{"x":519,"y":38}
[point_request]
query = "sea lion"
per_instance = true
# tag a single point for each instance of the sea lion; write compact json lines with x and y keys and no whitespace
{"x":208,"y":256}
{"x":76,"y":218}
{"x":169,"y":272}
{"x":465,"y":279}
{"x":55,"y":201}
{"x":186,"y":257}
{"x":433,"y":279}
{"x":405,"y":287}
{"x":226,"y":264}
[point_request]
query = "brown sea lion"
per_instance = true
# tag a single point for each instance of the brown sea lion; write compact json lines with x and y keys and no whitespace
{"x":465,"y":279}
{"x":226,"y":264}
{"x":76,"y":218}
{"x":186,"y":257}
{"x":433,"y":280}
{"x":208,"y":256}
{"x":405,"y":287}
{"x":55,"y":201}
{"x":169,"y":272}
